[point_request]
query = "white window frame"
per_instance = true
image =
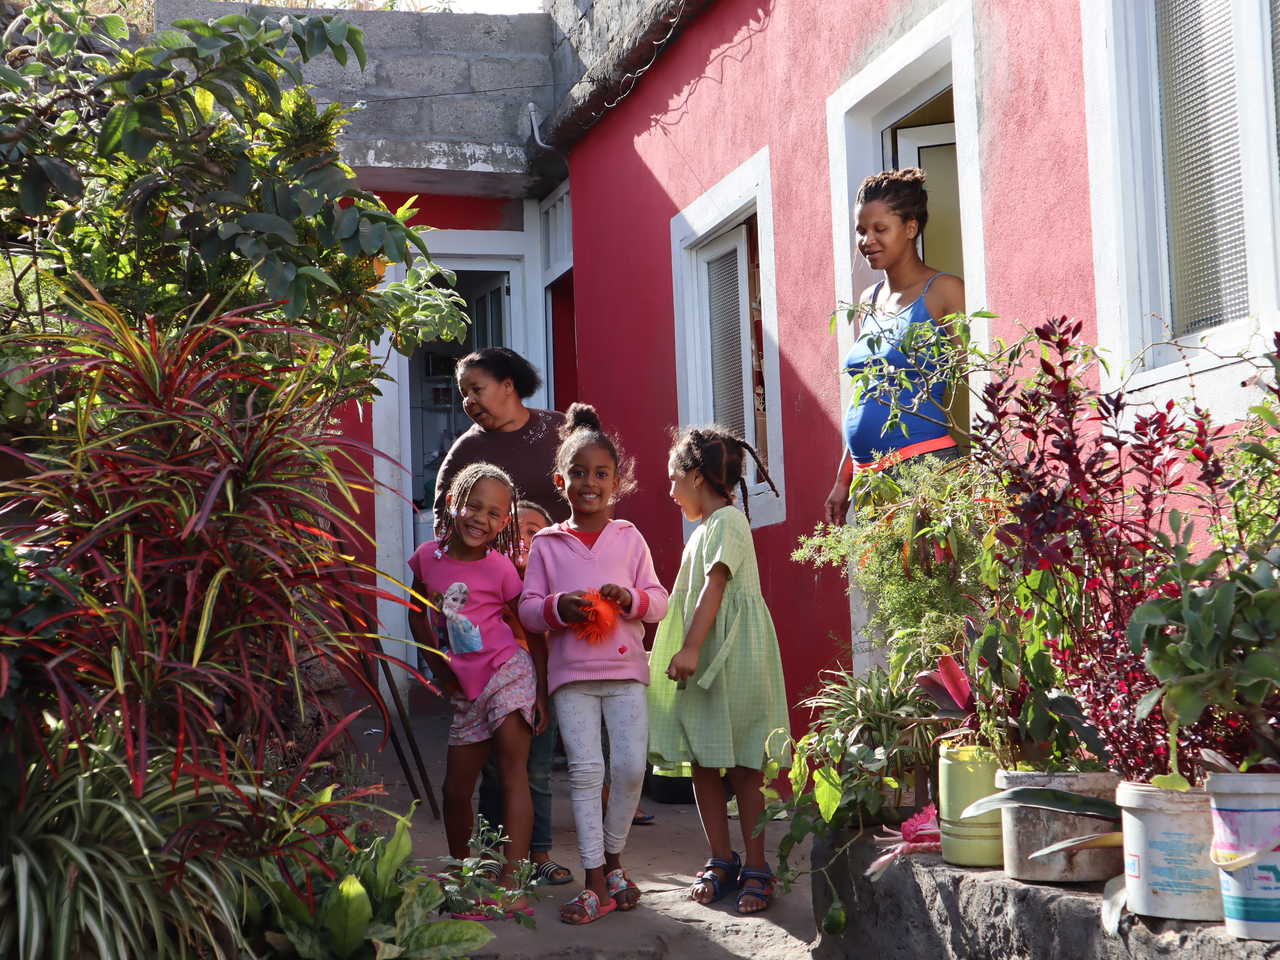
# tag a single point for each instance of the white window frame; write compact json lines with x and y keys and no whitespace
{"x":1129,"y":227}
{"x":938,"y":52}
{"x":724,"y":207}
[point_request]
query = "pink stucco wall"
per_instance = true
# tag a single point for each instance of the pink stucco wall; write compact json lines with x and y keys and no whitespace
{"x":748,"y":74}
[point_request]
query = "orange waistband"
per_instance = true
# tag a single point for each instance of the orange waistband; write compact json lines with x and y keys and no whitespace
{"x":907,"y":452}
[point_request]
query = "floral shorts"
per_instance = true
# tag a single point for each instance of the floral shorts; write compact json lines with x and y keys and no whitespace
{"x":513,"y":688}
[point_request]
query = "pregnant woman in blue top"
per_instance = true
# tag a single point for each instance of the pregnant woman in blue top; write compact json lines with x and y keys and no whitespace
{"x":891,"y":212}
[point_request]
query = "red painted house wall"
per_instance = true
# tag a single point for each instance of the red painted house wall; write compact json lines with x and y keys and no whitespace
{"x":748,"y":74}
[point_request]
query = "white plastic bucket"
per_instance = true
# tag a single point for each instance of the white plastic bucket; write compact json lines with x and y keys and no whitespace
{"x":1167,"y":868}
{"x":1028,"y":829}
{"x":1246,"y":835}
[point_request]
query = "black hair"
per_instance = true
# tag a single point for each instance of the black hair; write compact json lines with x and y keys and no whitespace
{"x":536,"y":508}
{"x":502,"y":363}
{"x":460,"y":492}
{"x":582,"y":428}
{"x":902,"y":190}
{"x":720,"y":455}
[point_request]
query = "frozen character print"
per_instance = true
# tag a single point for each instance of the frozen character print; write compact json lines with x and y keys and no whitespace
{"x":464,"y":636}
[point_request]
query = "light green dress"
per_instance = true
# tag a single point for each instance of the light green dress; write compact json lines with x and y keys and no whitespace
{"x":736,"y":699}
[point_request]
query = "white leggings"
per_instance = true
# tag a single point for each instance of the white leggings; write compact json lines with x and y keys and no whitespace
{"x":624,"y":705}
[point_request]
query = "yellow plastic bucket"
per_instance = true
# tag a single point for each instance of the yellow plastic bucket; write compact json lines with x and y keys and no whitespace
{"x":965,"y":775}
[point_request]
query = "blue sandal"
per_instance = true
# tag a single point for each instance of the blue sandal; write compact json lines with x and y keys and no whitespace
{"x":708,"y":875}
{"x":763,"y":893}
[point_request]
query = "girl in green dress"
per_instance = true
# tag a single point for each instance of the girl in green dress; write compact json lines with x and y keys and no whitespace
{"x":716,"y":692}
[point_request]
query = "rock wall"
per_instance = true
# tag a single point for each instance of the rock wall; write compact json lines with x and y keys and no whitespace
{"x":922,"y":907}
{"x":446,"y":95}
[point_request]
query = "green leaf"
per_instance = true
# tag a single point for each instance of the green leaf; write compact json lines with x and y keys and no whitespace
{"x":1093,"y":841}
{"x":394,"y":854}
{"x":269,"y":223}
{"x":827,"y":791}
{"x":1263,"y":663}
{"x":833,"y":922}
{"x":347,"y":915}
{"x":315,"y":273}
{"x":62,"y":175}
{"x":33,"y":191}
{"x":1045,"y":798}
{"x":1185,"y":701}
{"x":1148,"y":702}
{"x":444,"y":939}
{"x":418,"y":904}
{"x":386,"y":951}
{"x":305,"y":940}
{"x":355,"y":40}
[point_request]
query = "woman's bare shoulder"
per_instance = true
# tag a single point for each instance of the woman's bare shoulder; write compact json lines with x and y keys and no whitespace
{"x":945,"y":296}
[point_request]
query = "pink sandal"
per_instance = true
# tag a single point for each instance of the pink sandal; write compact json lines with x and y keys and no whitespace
{"x":592,"y":908}
{"x":620,"y":889}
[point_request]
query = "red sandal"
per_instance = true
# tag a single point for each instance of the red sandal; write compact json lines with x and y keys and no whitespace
{"x":592,"y":908}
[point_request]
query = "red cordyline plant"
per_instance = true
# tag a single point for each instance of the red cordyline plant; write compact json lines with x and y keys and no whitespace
{"x":196,"y":491}
{"x":1090,"y":482}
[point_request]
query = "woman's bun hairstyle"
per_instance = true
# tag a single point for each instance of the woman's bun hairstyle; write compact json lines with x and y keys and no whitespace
{"x":903,"y":190}
{"x":582,"y":428}
{"x":503,"y":363}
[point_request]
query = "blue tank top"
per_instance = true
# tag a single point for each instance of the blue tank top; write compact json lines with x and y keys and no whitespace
{"x":864,"y":421}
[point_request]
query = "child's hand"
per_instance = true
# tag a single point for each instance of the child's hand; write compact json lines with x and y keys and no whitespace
{"x":619,"y":595}
{"x":541,"y":714}
{"x":572,"y":607}
{"x":683,"y":665}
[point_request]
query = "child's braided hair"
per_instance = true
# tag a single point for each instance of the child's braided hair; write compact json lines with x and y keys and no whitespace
{"x":720,"y":455}
{"x":582,"y":428}
{"x":460,"y":492}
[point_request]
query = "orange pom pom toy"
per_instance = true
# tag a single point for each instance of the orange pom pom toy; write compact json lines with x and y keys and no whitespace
{"x":602,"y":616}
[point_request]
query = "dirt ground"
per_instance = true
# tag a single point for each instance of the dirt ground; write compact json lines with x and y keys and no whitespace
{"x":661,"y":859}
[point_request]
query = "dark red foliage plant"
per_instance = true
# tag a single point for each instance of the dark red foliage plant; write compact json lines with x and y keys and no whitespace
{"x":1090,"y":481}
{"x":197,"y":489}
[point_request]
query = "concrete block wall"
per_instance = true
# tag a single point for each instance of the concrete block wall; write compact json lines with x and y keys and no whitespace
{"x":444,"y":93}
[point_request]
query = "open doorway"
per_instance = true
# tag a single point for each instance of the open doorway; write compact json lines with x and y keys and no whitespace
{"x":436,"y":417}
{"x":926,"y":138}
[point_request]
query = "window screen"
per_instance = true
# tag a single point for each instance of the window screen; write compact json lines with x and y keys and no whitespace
{"x":1275,"y":64}
{"x":1203,"y":196}
{"x":724,"y":298}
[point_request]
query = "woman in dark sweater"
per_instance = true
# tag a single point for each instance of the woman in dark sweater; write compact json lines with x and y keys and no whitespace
{"x":494,"y":383}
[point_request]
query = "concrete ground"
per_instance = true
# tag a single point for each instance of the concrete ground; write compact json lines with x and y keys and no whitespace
{"x":661,"y":859}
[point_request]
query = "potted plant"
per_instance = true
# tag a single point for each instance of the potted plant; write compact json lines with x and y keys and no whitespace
{"x":1213,"y":643}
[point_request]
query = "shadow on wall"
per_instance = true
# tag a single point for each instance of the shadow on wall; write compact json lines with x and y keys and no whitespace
{"x":735,"y":50}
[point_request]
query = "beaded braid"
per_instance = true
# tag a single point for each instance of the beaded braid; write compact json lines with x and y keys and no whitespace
{"x":718,"y":453}
{"x":460,"y":492}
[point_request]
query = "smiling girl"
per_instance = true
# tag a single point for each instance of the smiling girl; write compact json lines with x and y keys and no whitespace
{"x":497,"y":689}
{"x":606,"y":678}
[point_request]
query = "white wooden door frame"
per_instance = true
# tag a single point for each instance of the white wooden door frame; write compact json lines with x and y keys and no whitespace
{"x":518,"y":252}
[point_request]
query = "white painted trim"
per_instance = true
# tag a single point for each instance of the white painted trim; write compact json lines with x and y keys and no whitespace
{"x":519,"y":254}
{"x":916,"y":139}
{"x":555,"y":230}
{"x":723,"y":207}
{"x":937,"y":52}
{"x":1126,"y":193}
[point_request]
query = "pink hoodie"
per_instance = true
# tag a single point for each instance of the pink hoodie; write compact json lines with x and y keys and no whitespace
{"x":560,"y":563}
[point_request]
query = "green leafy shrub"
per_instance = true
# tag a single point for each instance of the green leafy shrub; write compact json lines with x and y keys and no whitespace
{"x":362,"y":898}
{"x":88,"y":867}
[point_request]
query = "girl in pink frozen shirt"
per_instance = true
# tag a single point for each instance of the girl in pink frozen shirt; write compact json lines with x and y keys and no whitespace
{"x":602,"y":679}
{"x":496,"y":686}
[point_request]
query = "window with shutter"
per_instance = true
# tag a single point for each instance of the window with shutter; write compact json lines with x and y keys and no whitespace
{"x":1199,"y":123}
{"x":727,"y":323}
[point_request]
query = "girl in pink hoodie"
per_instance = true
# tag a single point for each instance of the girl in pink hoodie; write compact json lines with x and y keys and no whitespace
{"x":605,"y":679}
